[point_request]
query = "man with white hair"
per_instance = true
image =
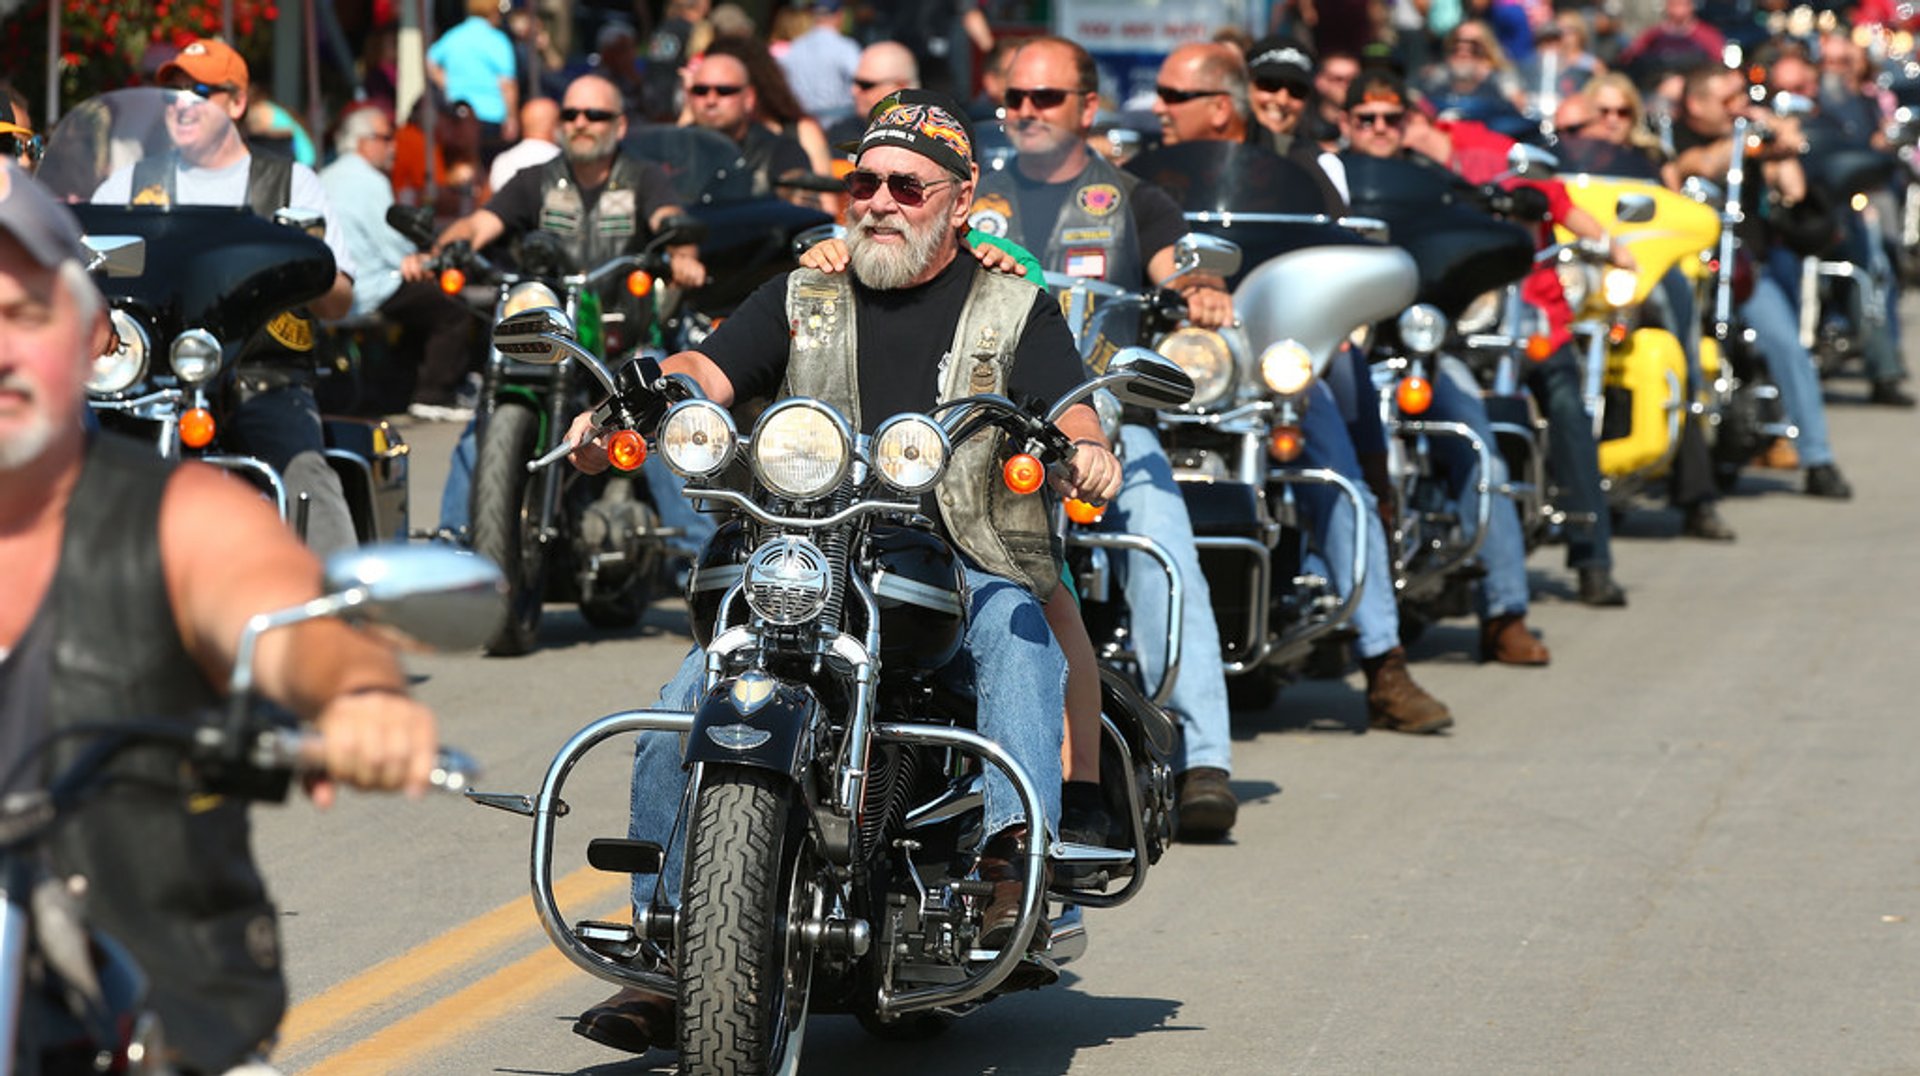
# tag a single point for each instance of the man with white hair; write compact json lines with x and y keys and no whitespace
{"x":125,"y":581}
{"x":437,"y":327}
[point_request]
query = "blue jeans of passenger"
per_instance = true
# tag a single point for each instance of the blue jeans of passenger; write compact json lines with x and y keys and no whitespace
{"x":1330,"y":524}
{"x":1769,"y":313}
{"x":1456,"y":398}
{"x":1010,"y":663}
{"x":667,"y":488}
{"x":1573,"y":458}
{"x":1150,"y":504}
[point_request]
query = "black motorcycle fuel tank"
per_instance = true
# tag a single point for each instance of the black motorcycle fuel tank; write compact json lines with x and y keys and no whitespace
{"x":224,"y":270}
{"x":1461,"y":251}
{"x":922,"y":596}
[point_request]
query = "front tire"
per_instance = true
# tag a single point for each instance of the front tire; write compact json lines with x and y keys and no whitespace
{"x":506,"y":524}
{"x":744,"y":970}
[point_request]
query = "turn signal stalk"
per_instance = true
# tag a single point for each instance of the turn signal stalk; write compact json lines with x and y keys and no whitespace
{"x":626,"y":450}
{"x":196,"y":427}
{"x":1414,"y":395}
{"x":1023,"y":474}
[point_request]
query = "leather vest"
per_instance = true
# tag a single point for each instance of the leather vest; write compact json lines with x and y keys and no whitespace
{"x":1003,"y":532}
{"x":289,"y":337}
{"x":171,"y":875}
{"x":603,"y":233}
{"x":1094,"y":235}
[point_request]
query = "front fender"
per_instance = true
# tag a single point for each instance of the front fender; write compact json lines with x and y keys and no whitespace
{"x":754,"y":720}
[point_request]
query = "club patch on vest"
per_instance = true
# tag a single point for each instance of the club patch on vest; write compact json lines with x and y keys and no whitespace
{"x":1087,"y":235}
{"x":291,"y":331}
{"x":1099,"y":199}
{"x":153,"y":195}
{"x":992,"y":214}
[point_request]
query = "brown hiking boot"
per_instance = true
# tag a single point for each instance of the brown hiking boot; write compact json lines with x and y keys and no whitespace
{"x":1505,"y":639}
{"x":1395,"y":702}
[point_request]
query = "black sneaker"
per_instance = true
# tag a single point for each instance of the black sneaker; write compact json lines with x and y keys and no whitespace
{"x":1826,"y":481}
{"x":1889,"y":394}
{"x":1598,"y":588}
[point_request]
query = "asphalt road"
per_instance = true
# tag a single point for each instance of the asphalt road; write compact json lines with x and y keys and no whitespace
{"x":1689,"y":846}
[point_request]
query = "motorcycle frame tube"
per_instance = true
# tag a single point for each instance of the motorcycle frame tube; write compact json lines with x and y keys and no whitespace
{"x":1259,"y":613}
{"x":1176,"y":594}
{"x":1032,"y":901}
{"x":15,"y":933}
{"x":547,"y":807}
{"x":1812,"y":272}
{"x":1287,"y":647}
{"x":1731,"y":216}
{"x":260,"y":469}
{"x":1138,"y":828}
{"x":1406,"y":584}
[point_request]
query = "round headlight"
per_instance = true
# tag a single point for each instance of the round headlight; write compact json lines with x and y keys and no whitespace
{"x":1286,"y":367}
{"x":1577,"y":280}
{"x":698,"y":439}
{"x":1423,"y":328}
{"x":195,"y":356}
{"x":126,"y":363}
{"x":526,"y":296}
{"x":800,"y":449}
{"x":910,"y":452}
{"x":1481,"y":314}
{"x":1205,"y":357}
{"x":1619,"y":286}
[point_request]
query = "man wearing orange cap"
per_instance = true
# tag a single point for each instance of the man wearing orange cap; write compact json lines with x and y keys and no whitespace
{"x":277,"y":418}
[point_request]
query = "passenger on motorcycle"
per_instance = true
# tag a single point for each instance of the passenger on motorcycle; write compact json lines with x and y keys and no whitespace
{"x":880,"y":349}
{"x":277,"y":418}
{"x":1778,"y":213}
{"x":125,"y":581}
{"x":1480,"y":156}
{"x":1124,"y":230}
{"x":1377,"y":125}
{"x":1203,"y":97}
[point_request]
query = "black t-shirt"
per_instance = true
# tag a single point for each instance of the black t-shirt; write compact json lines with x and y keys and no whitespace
{"x":782,"y":153}
{"x":902,"y":336}
{"x":1156,"y":219}
{"x":517,"y":203}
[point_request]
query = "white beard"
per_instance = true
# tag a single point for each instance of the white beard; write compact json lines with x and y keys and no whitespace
{"x":890,"y":266}
{"x":31,"y":443}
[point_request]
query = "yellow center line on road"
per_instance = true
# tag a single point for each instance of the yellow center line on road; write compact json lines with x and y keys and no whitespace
{"x":431,"y":962}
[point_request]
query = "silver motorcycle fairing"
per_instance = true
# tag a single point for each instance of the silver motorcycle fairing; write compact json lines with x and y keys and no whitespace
{"x":1319,"y":295}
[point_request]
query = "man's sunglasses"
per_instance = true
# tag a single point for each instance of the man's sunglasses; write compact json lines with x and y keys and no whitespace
{"x":16,"y":146}
{"x":1171,"y":96}
{"x":592,"y":115}
{"x":702,"y":89}
{"x":206,"y":89}
{"x":865,"y":84}
{"x":1274,"y":84}
{"x":1379,"y":119}
{"x":907,"y":190}
{"x":1042,"y":99}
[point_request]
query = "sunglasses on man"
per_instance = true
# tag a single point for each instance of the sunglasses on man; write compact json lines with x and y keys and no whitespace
{"x":1379,"y":119}
{"x":1171,"y":96}
{"x":703,"y":89}
{"x":591,"y":115}
{"x":205,"y":89}
{"x":1042,"y":99}
{"x":18,"y":146}
{"x":909,"y":191}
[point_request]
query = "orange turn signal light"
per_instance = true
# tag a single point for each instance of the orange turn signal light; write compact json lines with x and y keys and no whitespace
{"x":196,"y":427}
{"x":1539,"y":348}
{"x":1617,"y":333}
{"x":1083,"y":513}
{"x":452,"y":281}
{"x":1023,"y":474}
{"x":1286,"y":443}
{"x":1414,"y":395}
{"x":626,"y":450}
{"x":640,"y":283}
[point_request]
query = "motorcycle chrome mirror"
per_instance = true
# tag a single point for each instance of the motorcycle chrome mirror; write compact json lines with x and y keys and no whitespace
{"x":116,"y":255}
{"x":1634,"y":208}
{"x":816,"y":235}
{"x":1531,"y":161}
{"x":435,"y":595}
{"x":1138,"y":376}
{"x":1197,"y":252}
{"x":532,"y":335}
{"x":303,"y":220}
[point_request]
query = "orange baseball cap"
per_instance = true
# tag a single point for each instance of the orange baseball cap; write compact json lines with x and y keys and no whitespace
{"x":209,"y":60}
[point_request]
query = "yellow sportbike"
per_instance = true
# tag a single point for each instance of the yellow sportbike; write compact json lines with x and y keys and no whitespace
{"x":1637,"y":385}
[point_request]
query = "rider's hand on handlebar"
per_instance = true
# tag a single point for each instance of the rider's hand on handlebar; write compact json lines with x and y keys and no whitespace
{"x":1092,"y":476}
{"x":589,"y":453}
{"x":1620,"y":255}
{"x":684,"y":261}
{"x":416,"y":267}
{"x":1208,"y":307}
{"x":375,"y":739}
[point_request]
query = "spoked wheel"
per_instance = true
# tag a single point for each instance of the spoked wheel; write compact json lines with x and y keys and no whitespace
{"x":745,"y":972}
{"x":506,"y":523}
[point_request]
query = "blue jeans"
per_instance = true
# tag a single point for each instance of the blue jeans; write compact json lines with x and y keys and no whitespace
{"x":1769,"y":313}
{"x":1456,"y":398}
{"x":1330,"y":525}
{"x":1011,"y":664}
{"x":1150,"y":504}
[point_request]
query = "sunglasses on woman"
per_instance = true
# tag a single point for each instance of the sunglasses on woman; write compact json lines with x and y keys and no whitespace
{"x":910,"y":191}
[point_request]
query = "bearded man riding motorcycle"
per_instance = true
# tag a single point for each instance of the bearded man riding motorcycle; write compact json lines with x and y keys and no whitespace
{"x":1202,"y":96}
{"x":277,"y":418}
{"x":125,"y":582}
{"x":891,"y":339}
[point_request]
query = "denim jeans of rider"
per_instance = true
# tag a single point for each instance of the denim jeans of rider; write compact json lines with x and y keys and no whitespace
{"x":1150,"y":504}
{"x":1328,"y":519}
{"x":1769,"y":313}
{"x":282,"y":427}
{"x":1672,"y":305}
{"x":1010,"y":664}
{"x":1456,"y":398}
{"x":1573,"y":458}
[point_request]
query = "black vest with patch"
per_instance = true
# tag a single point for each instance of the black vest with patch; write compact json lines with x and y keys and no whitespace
{"x":1094,"y":235}
{"x":171,"y":876}
{"x":598,"y":235}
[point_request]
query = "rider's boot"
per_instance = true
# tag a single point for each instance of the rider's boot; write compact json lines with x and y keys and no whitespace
{"x":1395,"y":702}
